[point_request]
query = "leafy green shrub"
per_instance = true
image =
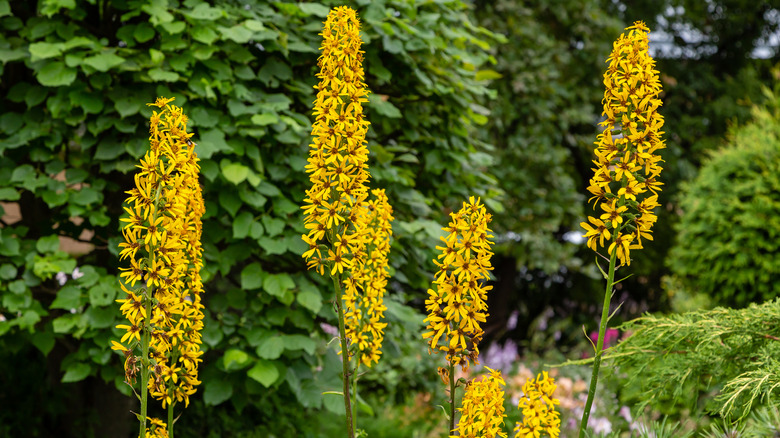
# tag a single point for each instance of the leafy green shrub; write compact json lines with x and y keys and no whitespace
{"x":74,"y":78}
{"x":729,"y":233}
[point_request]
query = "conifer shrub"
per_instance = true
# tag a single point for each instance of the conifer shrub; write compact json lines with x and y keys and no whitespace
{"x":727,"y":244}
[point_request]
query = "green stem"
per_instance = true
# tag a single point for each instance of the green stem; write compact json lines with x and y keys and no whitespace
{"x":354,"y":391}
{"x":145,"y":335}
{"x":452,"y":399}
{"x":600,"y":343}
{"x":170,"y":419}
{"x":344,"y":356}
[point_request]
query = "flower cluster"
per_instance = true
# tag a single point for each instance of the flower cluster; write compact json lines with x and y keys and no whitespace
{"x":365,"y":286}
{"x":482,"y":412}
{"x":162,"y":235}
{"x":337,"y":163}
{"x":625,"y":180}
{"x":538,"y":406}
{"x":157,"y":428}
{"x":457,"y":306}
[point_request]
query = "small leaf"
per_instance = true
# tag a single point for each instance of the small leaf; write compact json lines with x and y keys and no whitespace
{"x":217,"y":391}
{"x":271,"y":348}
{"x":278,"y":284}
{"x":158,"y":74}
{"x":56,"y":74}
{"x":265,"y":119}
{"x":104,"y":61}
{"x":310,"y":300}
{"x":252,"y":277}
{"x":76,"y":372}
{"x":264,"y":372}
{"x":235,"y":173}
{"x":235,"y":359}
{"x":316,"y":9}
{"x":487,"y":75}
{"x":45,"y":50}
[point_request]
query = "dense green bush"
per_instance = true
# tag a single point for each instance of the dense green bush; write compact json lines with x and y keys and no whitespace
{"x":728,"y":239}
{"x":75,"y":79}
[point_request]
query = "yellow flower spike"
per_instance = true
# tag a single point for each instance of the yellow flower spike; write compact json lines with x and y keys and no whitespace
{"x":482,"y":411}
{"x":458,"y":305}
{"x":538,"y":407}
{"x":627,"y":161}
{"x":162,"y":240}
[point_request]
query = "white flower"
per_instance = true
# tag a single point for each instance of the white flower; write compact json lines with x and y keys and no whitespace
{"x":62,"y":278}
{"x":76,"y":273}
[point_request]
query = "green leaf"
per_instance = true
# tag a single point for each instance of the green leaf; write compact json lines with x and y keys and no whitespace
{"x":264,"y":372}
{"x":9,"y":194}
{"x":160,"y":75}
{"x":212,"y":141}
{"x":127,"y":106}
{"x":76,"y":372}
{"x":235,"y":359}
{"x":382,"y":106}
{"x":7,"y":271}
{"x":300,"y":342}
{"x":316,"y":9}
{"x":217,"y":391}
{"x":242,"y":224}
{"x":271,"y":348}
{"x":278,"y":284}
{"x":43,"y":340}
{"x":272,"y":245}
{"x":45,"y":50}
{"x":204,"y":12}
{"x":237,"y":33}
{"x":234,"y":172}
{"x":487,"y":75}
{"x":104,"y":61}
{"x":56,"y":74}
{"x":67,"y":298}
{"x":64,"y":323}
{"x":265,"y":119}
{"x":273,"y":226}
{"x":204,"y":34}
{"x":48,"y":244}
{"x":102,"y":294}
{"x":5,"y":8}
{"x":252,"y":277}
{"x":143,"y":32}
{"x":310,"y":300}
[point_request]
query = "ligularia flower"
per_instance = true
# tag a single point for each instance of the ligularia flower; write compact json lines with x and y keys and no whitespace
{"x":538,"y":407}
{"x":482,"y":412}
{"x":163,"y":287}
{"x":337,"y":163}
{"x":458,"y":305}
{"x":625,"y":180}
{"x":365,"y":286}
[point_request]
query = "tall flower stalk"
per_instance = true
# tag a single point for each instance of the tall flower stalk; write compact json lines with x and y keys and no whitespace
{"x":162,"y":234}
{"x":625,"y":182}
{"x":458,"y":305}
{"x":348,"y":234}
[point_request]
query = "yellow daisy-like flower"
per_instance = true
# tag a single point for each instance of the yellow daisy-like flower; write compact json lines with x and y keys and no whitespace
{"x":627,"y":160}
{"x":482,"y":411}
{"x":365,"y":286}
{"x":538,"y":406}
{"x":458,"y":304}
{"x":162,"y":240}
{"x":337,"y":163}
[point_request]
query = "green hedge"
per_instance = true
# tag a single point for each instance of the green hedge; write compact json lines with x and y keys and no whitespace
{"x":75,"y":76}
{"x":728,"y":238}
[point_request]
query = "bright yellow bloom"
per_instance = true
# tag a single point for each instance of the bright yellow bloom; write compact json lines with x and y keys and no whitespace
{"x":538,"y":406}
{"x":482,"y":412}
{"x":365,"y":286}
{"x":337,"y":164}
{"x":162,"y":240}
{"x":627,"y":163}
{"x":459,"y":303}
{"x":157,"y":428}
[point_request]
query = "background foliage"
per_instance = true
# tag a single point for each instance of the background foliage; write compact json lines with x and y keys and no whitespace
{"x":728,"y":231}
{"x":75,"y":78}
